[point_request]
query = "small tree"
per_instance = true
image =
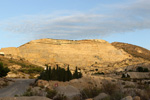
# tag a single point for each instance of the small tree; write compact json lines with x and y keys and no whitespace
{"x":3,"y":70}
{"x":75,"y":74}
{"x":145,"y":70}
{"x":69,"y":74}
{"x":139,"y":69}
{"x":59,"y":74}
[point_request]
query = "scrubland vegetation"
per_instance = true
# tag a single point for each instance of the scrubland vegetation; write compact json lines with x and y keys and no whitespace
{"x":134,"y":50}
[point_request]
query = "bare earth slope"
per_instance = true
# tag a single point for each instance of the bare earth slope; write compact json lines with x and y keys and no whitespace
{"x":75,"y":53}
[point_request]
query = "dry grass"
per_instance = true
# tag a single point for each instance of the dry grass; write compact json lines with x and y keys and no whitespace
{"x":10,"y":62}
{"x":26,"y":67}
{"x":134,"y":50}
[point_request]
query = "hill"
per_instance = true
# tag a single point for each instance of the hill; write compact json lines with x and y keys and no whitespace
{"x":89,"y":55}
{"x":75,"y":53}
{"x":134,"y":50}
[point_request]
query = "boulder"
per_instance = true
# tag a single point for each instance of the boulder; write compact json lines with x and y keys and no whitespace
{"x":101,"y":96}
{"x":127,"y":98}
{"x":69,"y":91}
{"x":136,"y":98}
{"x":17,"y":75}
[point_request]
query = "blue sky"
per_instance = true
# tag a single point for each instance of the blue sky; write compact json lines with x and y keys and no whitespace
{"x":112,"y":20}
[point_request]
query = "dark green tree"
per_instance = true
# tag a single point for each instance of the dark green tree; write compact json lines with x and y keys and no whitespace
{"x":140,"y":69}
{"x":145,"y":70}
{"x":69,"y":74}
{"x":79,"y":75}
{"x":59,"y":74}
{"x":123,"y":76}
{"x":75,"y":74}
{"x":3,"y":70}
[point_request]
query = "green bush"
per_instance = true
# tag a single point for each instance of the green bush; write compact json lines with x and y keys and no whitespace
{"x":31,"y":69}
{"x":145,"y":70}
{"x":3,"y":70}
{"x":141,"y":69}
{"x":90,"y":92}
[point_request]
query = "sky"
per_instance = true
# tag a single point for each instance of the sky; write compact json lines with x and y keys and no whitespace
{"x":112,"y":20}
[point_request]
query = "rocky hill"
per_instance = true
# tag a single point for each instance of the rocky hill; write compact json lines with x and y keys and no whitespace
{"x":75,"y":53}
{"x":89,"y":55}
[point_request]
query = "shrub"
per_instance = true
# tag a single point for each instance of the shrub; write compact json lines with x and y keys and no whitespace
{"x":117,"y":96}
{"x":51,"y":93}
{"x":98,"y":73}
{"x":145,"y":70}
{"x":113,"y":90}
{"x":28,"y":92}
{"x":3,"y":70}
{"x":110,"y":88}
{"x":90,"y":92}
{"x":141,"y":69}
{"x":125,"y":76}
{"x":31,"y":70}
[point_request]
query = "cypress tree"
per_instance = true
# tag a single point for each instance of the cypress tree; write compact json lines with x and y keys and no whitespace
{"x":75,"y":75}
{"x":59,"y":74}
{"x":53,"y":74}
{"x":69,"y":74}
{"x":46,"y":76}
{"x":49,"y":73}
{"x":79,"y":75}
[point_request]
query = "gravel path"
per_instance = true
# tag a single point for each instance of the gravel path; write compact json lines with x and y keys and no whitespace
{"x":16,"y":88}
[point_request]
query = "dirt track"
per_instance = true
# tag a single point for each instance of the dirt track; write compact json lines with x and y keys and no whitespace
{"x":16,"y":88}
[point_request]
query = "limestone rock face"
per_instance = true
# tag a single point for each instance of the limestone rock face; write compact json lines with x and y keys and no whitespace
{"x":79,"y":53}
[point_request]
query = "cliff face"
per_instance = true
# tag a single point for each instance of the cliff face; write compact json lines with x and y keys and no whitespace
{"x":75,"y":53}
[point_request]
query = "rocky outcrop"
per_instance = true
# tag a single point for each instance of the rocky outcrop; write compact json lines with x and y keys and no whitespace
{"x":101,"y":96}
{"x":79,"y":53}
{"x":69,"y":91}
